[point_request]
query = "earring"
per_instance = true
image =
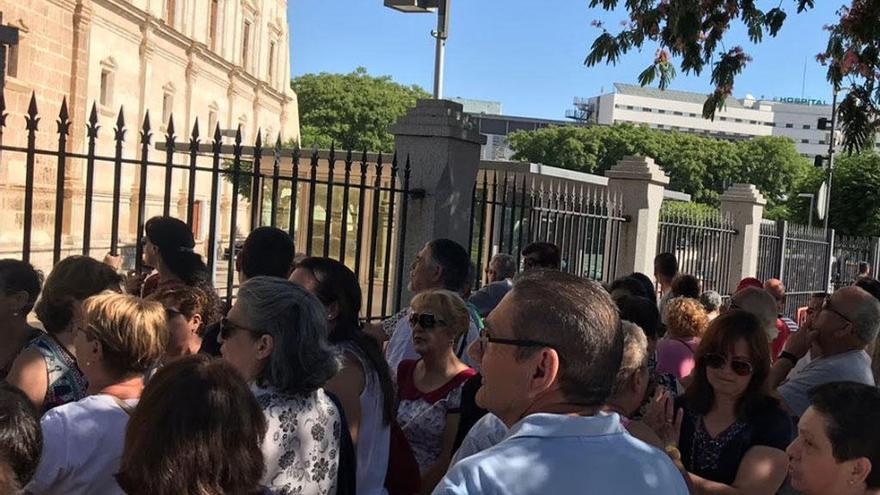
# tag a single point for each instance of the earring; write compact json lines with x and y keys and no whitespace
{"x":15,"y":313}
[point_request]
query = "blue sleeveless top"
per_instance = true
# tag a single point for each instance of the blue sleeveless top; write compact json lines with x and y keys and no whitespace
{"x":66,"y":382}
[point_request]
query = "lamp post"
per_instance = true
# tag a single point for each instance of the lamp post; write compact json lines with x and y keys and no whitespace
{"x":441,"y":34}
{"x":823,"y":124}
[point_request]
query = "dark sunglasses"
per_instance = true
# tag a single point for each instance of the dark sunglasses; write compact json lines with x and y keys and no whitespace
{"x":486,"y":339}
{"x":227,"y":328}
{"x":425,"y":320}
{"x":717,"y":361}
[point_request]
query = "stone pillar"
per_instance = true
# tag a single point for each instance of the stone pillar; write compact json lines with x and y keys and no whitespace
{"x":744,"y":205}
{"x":639,"y":183}
{"x":444,"y":149}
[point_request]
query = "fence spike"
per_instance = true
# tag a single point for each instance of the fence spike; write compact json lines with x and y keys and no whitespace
{"x":348,"y":159}
{"x":332,"y":156}
{"x":32,"y":120}
{"x":63,"y":118}
{"x":92,"y":127}
{"x":217,"y":135}
{"x":258,"y":143}
{"x":119,"y":130}
{"x":238,"y":135}
{"x":194,"y":135}
{"x":2,"y":110}
{"x":278,"y":146}
{"x":169,"y":131}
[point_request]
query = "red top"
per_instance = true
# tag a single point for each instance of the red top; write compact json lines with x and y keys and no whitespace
{"x":779,"y":342}
{"x":407,"y":386}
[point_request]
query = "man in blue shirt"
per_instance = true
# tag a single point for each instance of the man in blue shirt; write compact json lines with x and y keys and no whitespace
{"x":549,"y":355}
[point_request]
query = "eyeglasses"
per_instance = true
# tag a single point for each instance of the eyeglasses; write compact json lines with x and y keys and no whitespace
{"x":227,"y":328}
{"x":486,"y":339}
{"x":717,"y":361}
{"x":826,"y":306}
{"x":425,"y":320}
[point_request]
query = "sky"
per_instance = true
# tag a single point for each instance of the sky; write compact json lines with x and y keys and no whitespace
{"x":529,"y":54}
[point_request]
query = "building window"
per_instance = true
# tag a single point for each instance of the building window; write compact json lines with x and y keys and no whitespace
{"x":806,"y":126}
{"x":739,"y":121}
{"x":722,"y":119}
{"x":822,"y":141}
{"x":170,"y":5}
{"x":106,"y":93}
{"x":805,"y":141}
{"x":629,"y":107}
{"x":271,"y":62}
{"x":212,"y":24}
{"x":692,"y":115}
{"x":11,"y":60}
{"x":245,"y":44}
{"x":647,"y":110}
{"x":771,"y":124}
{"x":677,"y":113}
{"x":789,"y":126}
{"x":167,"y":107}
{"x":660,"y":126}
{"x":661,"y":111}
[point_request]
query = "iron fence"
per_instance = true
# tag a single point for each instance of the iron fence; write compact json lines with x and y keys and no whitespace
{"x":800,"y":256}
{"x":849,"y":253}
{"x":702,"y":244}
{"x":349,"y":206}
{"x":509,"y":212}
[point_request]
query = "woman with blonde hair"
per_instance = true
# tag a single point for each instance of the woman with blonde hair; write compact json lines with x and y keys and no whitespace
{"x":686,"y":321}
{"x":120,"y":339}
{"x":429,"y":389}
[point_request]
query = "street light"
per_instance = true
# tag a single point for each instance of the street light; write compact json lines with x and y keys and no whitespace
{"x":441,"y":34}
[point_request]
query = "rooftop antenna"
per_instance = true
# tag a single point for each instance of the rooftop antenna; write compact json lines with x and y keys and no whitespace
{"x":804,"y":82}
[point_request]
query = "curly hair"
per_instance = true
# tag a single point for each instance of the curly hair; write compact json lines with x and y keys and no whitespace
{"x":685,"y":317}
{"x":191,"y":301}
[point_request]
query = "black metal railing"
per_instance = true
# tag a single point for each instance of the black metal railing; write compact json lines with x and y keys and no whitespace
{"x":509,"y":211}
{"x":702,"y":243}
{"x":353,"y":206}
{"x":849,"y":253}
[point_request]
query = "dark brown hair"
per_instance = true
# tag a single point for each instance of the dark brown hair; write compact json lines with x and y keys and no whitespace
{"x":190,"y":301}
{"x":197,"y":429}
{"x":721,"y":336}
{"x":73,"y":280}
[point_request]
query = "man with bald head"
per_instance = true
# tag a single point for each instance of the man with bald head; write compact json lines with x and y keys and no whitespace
{"x":843,"y":328}
{"x":784,"y":324}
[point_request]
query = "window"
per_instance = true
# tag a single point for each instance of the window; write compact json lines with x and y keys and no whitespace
{"x":692,"y":115}
{"x":789,"y":126}
{"x":106,"y":94}
{"x":677,"y":113}
{"x":629,"y":107}
{"x":771,"y":124}
{"x":12,"y":60}
{"x":661,"y":111}
{"x":822,"y":141}
{"x":245,"y":44}
{"x":722,"y":119}
{"x":170,"y":5}
{"x":167,"y":107}
{"x":660,"y":126}
{"x":738,"y":120}
{"x":806,"y":126}
{"x":647,"y":110}
{"x":212,"y":24}
{"x":805,"y":141}
{"x":271,"y":62}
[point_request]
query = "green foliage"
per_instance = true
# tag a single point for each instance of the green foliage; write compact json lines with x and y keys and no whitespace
{"x":351,"y":110}
{"x":700,"y":166}
{"x":699,"y":211}
{"x":694,"y":30}
{"x":855,"y":194}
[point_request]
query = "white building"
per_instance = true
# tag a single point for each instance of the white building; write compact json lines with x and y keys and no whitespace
{"x":794,"y":118}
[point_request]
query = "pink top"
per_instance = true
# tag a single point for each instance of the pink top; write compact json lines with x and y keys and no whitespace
{"x":676,"y":356}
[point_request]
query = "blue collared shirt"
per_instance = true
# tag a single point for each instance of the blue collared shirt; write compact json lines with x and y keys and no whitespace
{"x":558,"y":454}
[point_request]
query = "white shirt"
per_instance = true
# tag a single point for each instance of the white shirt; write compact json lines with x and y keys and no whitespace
{"x":374,"y":434}
{"x":82,"y":448}
{"x":559,"y":454}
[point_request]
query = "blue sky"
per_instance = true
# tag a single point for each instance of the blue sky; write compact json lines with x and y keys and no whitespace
{"x":528,"y":54}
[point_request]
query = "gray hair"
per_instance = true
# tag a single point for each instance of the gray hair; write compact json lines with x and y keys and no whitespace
{"x":302,"y":359}
{"x":505,"y":265}
{"x":760,"y":303}
{"x":635,"y":355}
{"x":865,"y":317}
{"x":710,"y":300}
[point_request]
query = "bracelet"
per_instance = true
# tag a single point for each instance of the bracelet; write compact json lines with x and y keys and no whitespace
{"x":787,"y":355}
{"x":673,"y":452}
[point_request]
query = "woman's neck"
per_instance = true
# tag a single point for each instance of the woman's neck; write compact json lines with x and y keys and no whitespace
{"x":65,"y":338}
{"x":126,"y":388}
{"x":440,"y":363}
{"x":723,"y":405}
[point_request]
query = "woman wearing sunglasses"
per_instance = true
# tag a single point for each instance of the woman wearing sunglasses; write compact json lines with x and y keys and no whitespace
{"x":733,"y":433}
{"x":186,"y":310}
{"x":429,"y":389}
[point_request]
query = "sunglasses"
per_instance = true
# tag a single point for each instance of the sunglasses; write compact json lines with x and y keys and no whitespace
{"x":486,"y":339}
{"x":425,"y":320}
{"x":227,"y":328}
{"x":717,"y":361}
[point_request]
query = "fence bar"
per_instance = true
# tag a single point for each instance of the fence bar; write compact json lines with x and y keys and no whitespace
{"x":32,"y":121}
{"x":215,"y":193}
{"x":276,"y":163}
{"x":522,"y":218}
{"x":236,"y":182}
{"x":294,"y":191}
{"x":346,"y":191}
{"x":169,"y":166}
{"x":92,"y":133}
{"x":313,"y":177}
{"x":483,"y":206}
{"x":389,"y":231}
{"x":503,"y":207}
{"x":360,"y":226}
{"x":257,"y":182}
{"x":402,"y":236}
{"x":193,"y":155}
{"x":374,"y":237}
{"x":63,"y":129}
{"x":328,"y":208}
{"x":119,"y":137}
{"x":145,"y":138}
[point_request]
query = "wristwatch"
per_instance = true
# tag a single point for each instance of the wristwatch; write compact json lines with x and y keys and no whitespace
{"x":787,"y":355}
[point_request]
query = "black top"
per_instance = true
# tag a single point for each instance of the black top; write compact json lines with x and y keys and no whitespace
{"x":717,"y":459}
{"x":470,"y":412}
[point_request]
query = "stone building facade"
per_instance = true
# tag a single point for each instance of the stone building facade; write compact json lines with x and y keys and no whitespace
{"x":219,"y":63}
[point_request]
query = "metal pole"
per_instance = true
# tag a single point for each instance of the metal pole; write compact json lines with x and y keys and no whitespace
{"x":831,"y":156}
{"x":812,"y":205}
{"x":440,"y":35}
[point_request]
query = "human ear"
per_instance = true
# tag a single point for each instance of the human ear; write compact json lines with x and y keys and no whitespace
{"x":265,"y":345}
{"x":545,"y":372}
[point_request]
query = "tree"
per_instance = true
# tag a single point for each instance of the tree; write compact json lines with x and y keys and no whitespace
{"x":855,"y":195}
{"x":700,"y":166}
{"x":694,"y":29}
{"x":351,"y":110}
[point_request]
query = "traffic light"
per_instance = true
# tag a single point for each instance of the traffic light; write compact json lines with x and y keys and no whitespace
{"x":819,"y":161}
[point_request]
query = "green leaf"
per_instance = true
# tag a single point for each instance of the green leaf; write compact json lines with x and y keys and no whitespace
{"x":647,"y":76}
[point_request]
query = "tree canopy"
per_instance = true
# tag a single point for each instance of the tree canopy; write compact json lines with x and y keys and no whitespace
{"x":700,"y":166}
{"x":693,"y":31}
{"x":351,"y":110}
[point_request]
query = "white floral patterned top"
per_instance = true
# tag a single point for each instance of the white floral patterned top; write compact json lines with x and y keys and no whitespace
{"x":301,"y":448}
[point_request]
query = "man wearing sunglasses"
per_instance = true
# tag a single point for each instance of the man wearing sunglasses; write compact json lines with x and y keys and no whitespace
{"x":843,"y":328}
{"x":549,"y":355}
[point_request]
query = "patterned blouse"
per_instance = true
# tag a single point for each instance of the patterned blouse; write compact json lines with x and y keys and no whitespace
{"x":66,"y":382}
{"x":301,"y":447}
{"x":422,"y":416}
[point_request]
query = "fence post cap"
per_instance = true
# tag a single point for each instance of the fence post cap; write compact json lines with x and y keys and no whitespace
{"x":743,"y":193}
{"x":638,"y":168}
{"x":438,"y":118}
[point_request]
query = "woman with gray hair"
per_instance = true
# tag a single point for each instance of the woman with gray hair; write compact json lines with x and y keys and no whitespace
{"x":275,"y":335}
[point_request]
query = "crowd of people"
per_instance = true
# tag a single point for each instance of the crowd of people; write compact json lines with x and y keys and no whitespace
{"x":538,"y":382}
